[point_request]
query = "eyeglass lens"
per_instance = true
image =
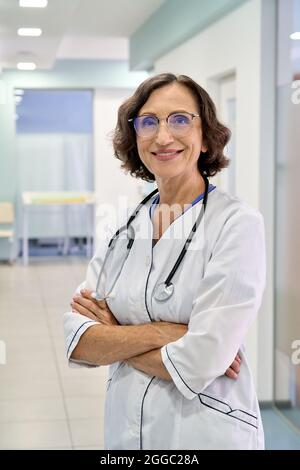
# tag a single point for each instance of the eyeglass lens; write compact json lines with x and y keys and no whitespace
{"x":178,"y":123}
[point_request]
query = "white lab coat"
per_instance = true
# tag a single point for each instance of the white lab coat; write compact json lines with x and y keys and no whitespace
{"x":218,"y":291}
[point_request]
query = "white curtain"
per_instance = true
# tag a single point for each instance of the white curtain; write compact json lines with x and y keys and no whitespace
{"x":55,"y":162}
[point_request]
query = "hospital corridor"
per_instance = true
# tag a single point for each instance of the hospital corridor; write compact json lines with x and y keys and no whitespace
{"x":119,"y":331}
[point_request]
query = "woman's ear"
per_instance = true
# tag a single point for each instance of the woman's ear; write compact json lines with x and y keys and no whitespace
{"x":203,"y":148}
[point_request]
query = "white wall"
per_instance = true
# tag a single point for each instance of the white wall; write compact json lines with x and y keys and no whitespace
{"x":234,"y":45}
{"x":112,"y":186}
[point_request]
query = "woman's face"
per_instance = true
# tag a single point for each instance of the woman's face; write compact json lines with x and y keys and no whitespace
{"x":166,"y":155}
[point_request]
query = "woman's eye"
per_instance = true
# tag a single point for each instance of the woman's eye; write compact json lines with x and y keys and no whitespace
{"x":179,"y":119}
{"x":148,"y":122}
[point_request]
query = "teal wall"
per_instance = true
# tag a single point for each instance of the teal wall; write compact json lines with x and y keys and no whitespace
{"x":173,"y":23}
{"x":78,"y":74}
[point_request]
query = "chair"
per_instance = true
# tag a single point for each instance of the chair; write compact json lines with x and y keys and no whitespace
{"x":7,"y":220}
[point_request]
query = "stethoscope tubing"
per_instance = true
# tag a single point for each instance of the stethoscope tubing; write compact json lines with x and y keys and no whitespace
{"x":168,"y":286}
{"x":190,"y":236}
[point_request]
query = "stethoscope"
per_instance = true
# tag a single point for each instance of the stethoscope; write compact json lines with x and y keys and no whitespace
{"x":164,"y":290}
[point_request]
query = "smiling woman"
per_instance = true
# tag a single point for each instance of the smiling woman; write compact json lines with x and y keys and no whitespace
{"x":183,"y":280}
{"x":189,"y":97}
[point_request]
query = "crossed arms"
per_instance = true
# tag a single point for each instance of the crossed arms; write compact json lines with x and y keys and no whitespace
{"x":138,"y":345}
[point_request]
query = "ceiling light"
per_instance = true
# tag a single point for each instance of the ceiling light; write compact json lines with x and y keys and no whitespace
{"x":295,"y":35}
{"x":26,"y":65}
{"x":18,"y":99}
{"x":33,"y":3}
{"x":29,"y":31}
{"x":19,"y":92}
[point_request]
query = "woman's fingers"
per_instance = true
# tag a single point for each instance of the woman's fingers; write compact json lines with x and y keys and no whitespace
{"x":78,"y":308}
{"x":235,"y":366}
{"x":90,"y":309}
{"x":231,"y":374}
{"x":99,"y":308}
{"x":233,"y":371}
{"x":87,"y":294}
{"x":87,"y":303}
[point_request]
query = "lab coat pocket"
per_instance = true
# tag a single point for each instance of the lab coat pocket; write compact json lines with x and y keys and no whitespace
{"x":230,"y":427}
{"x":224,"y":408}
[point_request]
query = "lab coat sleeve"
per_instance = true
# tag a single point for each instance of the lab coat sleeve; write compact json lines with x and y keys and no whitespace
{"x":227,"y":301}
{"x":75,"y":325}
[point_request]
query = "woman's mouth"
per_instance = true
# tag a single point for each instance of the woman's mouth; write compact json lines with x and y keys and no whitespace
{"x":167,"y":154}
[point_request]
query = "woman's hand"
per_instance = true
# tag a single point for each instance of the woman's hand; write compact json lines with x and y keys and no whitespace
{"x":233,"y":371}
{"x":97,"y":310}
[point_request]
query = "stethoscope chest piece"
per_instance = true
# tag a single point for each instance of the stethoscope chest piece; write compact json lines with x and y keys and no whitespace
{"x":163,"y":291}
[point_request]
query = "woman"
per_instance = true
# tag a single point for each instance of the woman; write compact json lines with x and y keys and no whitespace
{"x":181,"y":288}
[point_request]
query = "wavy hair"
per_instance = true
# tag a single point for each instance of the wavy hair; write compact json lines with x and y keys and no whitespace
{"x":215,"y":134}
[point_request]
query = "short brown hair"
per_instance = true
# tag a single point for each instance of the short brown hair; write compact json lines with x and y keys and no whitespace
{"x":215,"y":134}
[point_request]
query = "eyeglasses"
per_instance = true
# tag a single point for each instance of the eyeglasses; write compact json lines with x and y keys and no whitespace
{"x":179,"y":124}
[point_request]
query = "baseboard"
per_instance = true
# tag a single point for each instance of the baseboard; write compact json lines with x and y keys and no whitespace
{"x":280,"y":404}
{"x":283,"y":404}
{"x":265,"y":404}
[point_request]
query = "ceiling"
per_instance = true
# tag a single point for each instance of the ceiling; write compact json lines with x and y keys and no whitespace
{"x":72,"y":29}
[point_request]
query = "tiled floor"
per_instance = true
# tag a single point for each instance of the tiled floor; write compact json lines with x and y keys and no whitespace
{"x":44,"y":404}
{"x":280,"y":434}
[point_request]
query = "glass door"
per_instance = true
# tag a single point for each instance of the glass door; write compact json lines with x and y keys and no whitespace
{"x":287,"y":246}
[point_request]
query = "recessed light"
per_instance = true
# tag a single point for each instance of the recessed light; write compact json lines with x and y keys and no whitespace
{"x":18,"y":92}
{"x":29,"y":31}
{"x":26,"y":65}
{"x":18,"y":99}
{"x":295,"y":35}
{"x":33,"y":3}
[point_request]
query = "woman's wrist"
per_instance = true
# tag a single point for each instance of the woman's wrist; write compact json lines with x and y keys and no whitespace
{"x":166,"y":332}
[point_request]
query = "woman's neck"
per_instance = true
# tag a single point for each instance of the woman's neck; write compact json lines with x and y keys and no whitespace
{"x":180,"y":190}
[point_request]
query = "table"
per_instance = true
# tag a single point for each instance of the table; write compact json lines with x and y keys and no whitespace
{"x":62,"y":198}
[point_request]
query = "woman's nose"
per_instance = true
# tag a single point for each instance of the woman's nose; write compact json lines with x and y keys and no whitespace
{"x":163,"y":135}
